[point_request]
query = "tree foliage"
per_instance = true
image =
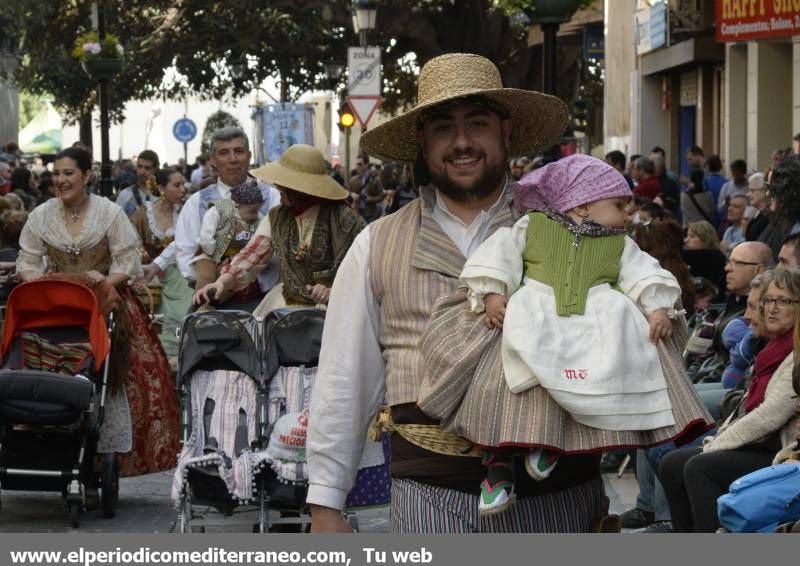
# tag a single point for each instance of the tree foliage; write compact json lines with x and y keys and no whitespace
{"x":219,"y":119}
{"x":215,"y":50}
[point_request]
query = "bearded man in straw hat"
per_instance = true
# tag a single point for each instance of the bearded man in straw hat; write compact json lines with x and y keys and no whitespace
{"x":309,"y":234}
{"x":460,"y":135}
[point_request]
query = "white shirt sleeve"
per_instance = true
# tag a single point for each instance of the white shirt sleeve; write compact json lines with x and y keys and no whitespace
{"x":350,"y":383}
{"x":496,"y":266}
{"x":166,"y":257}
{"x":642,"y":278}
{"x":187,"y":233}
{"x":208,"y":231}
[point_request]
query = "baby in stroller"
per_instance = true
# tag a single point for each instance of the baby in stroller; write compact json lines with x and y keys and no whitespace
{"x":245,"y":418}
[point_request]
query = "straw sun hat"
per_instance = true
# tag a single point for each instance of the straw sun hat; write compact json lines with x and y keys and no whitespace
{"x":538,"y":119}
{"x":302,"y":169}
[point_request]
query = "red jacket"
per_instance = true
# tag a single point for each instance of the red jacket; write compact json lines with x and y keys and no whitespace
{"x":649,"y":188}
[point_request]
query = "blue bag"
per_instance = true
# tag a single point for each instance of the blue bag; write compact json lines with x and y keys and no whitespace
{"x":762,"y":500}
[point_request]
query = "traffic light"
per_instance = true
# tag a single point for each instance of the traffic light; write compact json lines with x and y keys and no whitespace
{"x":346,"y":117}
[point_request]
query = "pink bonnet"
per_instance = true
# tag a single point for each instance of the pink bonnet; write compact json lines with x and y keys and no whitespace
{"x":570,"y":182}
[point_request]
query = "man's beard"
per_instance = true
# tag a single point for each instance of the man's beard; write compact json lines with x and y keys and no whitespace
{"x":482,"y":187}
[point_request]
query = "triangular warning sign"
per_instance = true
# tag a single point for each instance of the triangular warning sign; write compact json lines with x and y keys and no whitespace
{"x":363,"y":107}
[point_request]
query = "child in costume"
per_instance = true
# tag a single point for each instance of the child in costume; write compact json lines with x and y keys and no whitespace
{"x":581,"y":308}
{"x":226,"y":229}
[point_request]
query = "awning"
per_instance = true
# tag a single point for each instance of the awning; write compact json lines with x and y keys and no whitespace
{"x":43,"y":132}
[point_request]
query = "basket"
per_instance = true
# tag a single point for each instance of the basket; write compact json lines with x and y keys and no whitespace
{"x":150,"y":295}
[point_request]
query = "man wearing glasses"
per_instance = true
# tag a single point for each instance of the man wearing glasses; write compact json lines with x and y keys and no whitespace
{"x":747,"y":260}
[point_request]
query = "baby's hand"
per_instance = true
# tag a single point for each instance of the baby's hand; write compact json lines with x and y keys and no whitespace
{"x":495,"y":310}
{"x":660,"y":325}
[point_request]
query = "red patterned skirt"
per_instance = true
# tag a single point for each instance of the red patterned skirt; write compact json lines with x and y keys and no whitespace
{"x":151,"y":393}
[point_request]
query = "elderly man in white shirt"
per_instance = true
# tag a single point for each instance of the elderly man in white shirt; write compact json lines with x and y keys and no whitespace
{"x":460,"y":134}
{"x":230,"y":155}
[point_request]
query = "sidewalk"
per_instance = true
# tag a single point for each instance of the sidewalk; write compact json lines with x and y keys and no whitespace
{"x":145,"y":507}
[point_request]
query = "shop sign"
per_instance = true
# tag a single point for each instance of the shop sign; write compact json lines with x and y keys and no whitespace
{"x":742,"y":20}
{"x":650,"y":27}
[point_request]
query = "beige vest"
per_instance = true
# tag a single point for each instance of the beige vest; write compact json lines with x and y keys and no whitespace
{"x":412,"y":264}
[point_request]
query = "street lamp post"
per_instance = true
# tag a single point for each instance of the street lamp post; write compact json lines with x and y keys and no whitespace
{"x":550,"y":14}
{"x":364,"y":13}
{"x":105,"y":188}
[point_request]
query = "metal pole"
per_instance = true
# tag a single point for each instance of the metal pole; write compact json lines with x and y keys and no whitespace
{"x":549,"y":74}
{"x":105,"y":188}
{"x":347,"y":153}
{"x":549,"y":58}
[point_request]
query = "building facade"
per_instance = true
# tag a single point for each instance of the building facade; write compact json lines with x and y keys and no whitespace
{"x":723,"y":75}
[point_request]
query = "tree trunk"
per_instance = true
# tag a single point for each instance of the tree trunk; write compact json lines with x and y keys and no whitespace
{"x":85,"y":123}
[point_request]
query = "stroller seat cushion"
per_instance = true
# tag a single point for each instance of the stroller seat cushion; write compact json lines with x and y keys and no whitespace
{"x":43,"y":397}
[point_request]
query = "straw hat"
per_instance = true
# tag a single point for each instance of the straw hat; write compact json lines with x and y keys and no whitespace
{"x":538,"y":119}
{"x":302,"y":169}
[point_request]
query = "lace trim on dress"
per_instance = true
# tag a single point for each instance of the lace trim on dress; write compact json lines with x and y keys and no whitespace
{"x":151,"y":222}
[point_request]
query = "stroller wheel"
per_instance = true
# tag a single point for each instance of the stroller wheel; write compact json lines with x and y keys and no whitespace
{"x":110,"y":485}
{"x":74,"y":515}
{"x":263,"y":512}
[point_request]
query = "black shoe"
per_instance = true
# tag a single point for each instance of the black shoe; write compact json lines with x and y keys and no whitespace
{"x":660,"y":527}
{"x":637,"y":518}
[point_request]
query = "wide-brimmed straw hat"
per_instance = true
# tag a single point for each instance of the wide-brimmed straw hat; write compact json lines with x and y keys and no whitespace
{"x":302,"y":169}
{"x":538,"y":119}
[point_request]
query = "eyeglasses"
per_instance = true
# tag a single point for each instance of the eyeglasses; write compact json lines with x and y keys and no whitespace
{"x":737,"y":263}
{"x":780,"y":302}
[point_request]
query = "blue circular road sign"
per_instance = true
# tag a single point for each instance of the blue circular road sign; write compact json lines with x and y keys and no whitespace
{"x":184,"y":130}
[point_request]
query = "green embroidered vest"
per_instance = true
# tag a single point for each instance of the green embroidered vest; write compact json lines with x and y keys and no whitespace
{"x":570,"y":266}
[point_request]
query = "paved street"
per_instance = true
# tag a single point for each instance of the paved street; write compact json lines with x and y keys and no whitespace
{"x":145,"y":508}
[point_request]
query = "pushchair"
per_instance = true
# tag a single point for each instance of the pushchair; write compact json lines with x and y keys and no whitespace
{"x":55,"y":351}
{"x":244,"y":419}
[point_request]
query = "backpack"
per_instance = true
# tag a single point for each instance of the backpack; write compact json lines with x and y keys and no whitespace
{"x":762,"y":500}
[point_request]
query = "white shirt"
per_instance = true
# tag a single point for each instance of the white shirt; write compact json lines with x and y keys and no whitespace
{"x":351,"y":378}
{"x":197,"y":175}
{"x":187,"y":230}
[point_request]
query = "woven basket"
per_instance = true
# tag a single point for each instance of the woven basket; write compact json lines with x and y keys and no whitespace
{"x":150,"y":296}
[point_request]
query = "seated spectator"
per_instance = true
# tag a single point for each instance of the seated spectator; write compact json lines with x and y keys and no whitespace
{"x":757,"y":197}
{"x":693,"y":478}
{"x":789,"y":256}
{"x":704,"y":294}
{"x":15,"y":202}
{"x":617,"y":160}
{"x":697,"y":203}
{"x":11,"y":223}
{"x":737,"y":221}
{"x":662,"y":240}
{"x":702,"y":254}
{"x":736,"y":186}
{"x":784,"y":193}
{"x":648,"y":184}
{"x":743,"y":339}
{"x":5,"y":177}
{"x":21,"y":186}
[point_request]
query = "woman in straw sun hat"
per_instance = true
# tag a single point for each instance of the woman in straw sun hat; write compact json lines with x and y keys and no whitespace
{"x":460,"y":135}
{"x":309,"y":233}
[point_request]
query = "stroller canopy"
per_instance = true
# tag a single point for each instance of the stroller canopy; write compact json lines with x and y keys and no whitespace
{"x":48,"y":303}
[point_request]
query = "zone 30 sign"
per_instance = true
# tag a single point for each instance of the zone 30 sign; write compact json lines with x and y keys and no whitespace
{"x":742,"y":20}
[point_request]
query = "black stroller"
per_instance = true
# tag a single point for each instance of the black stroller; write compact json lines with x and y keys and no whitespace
{"x":240,"y":460}
{"x":55,"y":351}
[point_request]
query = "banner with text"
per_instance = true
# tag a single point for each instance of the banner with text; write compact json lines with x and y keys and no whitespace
{"x":742,"y":20}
